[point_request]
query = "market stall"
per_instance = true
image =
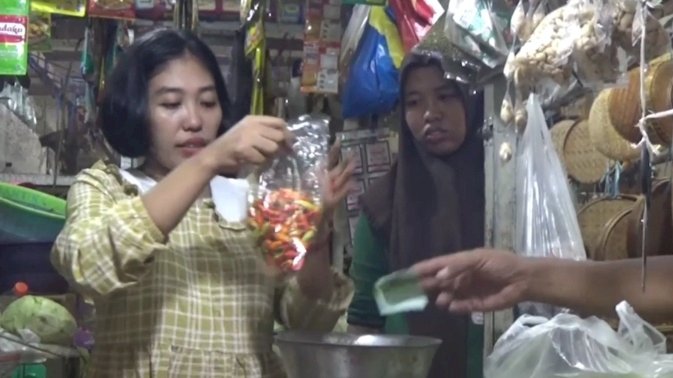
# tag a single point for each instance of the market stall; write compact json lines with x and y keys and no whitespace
{"x":576,"y":127}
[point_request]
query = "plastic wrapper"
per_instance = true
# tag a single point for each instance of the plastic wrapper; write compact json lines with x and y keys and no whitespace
{"x":463,"y":39}
{"x":372,"y":86}
{"x":27,"y":348}
{"x":119,"y":9}
{"x":76,"y":8}
{"x":594,"y":53}
{"x":286,"y":205}
{"x":568,"y":346}
{"x":13,"y":37}
{"x":39,"y":31}
{"x":458,"y":65}
{"x":546,"y":55}
{"x":546,"y":224}
{"x":353,"y":34}
{"x":482,"y":39}
{"x":414,"y":19}
{"x":629,"y":28}
{"x":526,"y":17}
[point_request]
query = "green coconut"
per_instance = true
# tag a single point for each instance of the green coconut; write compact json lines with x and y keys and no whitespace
{"x":50,"y":321}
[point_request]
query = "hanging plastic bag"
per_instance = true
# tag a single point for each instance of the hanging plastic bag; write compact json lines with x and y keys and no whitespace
{"x":595,"y":53}
{"x":568,"y":346}
{"x":546,"y":225}
{"x":286,"y":204}
{"x":14,"y":37}
{"x":415,"y":19}
{"x":372,"y":86}
{"x":353,"y":33}
{"x":457,"y":64}
{"x":546,"y":54}
{"x":480,"y":37}
{"x":525,"y":20}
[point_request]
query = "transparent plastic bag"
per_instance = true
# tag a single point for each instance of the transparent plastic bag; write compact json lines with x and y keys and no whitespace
{"x":470,"y":25}
{"x":568,"y":346}
{"x":458,"y":65}
{"x":353,"y":33}
{"x":546,"y":55}
{"x":546,"y":224}
{"x":286,"y":203}
{"x":525,"y":20}
{"x":595,"y":54}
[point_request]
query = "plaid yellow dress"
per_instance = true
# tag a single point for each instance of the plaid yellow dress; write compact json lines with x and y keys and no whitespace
{"x":199,"y":303}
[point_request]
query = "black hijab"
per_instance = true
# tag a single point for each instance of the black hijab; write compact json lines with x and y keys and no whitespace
{"x":428,"y":206}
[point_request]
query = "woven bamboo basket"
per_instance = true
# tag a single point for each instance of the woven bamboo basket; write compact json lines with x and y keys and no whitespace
{"x":583,"y":161}
{"x":593,"y":217}
{"x":624,"y":107}
{"x":624,"y":102}
{"x":603,"y":134}
{"x":559,"y":134}
{"x":659,"y":85}
{"x":613,"y":242}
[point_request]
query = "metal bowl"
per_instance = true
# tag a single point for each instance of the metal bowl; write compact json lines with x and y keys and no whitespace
{"x":341,"y":355}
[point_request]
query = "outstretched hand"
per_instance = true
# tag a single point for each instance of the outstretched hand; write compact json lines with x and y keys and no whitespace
{"x":476,"y":281}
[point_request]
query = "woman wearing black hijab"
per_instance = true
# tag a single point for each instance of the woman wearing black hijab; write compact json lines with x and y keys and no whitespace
{"x":429,"y":204}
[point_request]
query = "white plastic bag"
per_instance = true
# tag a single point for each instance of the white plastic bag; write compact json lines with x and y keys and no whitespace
{"x":568,"y":346}
{"x":546,"y":222}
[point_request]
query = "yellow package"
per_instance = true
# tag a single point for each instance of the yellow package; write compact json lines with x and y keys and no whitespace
{"x":76,"y":8}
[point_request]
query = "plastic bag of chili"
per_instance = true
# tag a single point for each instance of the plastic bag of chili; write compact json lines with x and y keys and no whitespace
{"x":285,"y":205}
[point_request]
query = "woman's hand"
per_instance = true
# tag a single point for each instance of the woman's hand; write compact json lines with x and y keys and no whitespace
{"x":476,"y":281}
{"x":254,"y":140}
{"x":338,"y":181}
{"x":315,"y":278}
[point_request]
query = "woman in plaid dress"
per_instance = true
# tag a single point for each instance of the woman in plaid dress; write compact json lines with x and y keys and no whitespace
{"x":179,"y":286}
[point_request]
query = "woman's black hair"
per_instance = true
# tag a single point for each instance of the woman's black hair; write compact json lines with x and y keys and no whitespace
{"x":124,"y":113}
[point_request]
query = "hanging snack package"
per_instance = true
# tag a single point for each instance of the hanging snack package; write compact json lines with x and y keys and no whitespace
{"x":14,"y":37}
{"x":544,"y":60}
{"x":286,"y":202}
{"x":75,"y":8}
{"x":474,"y":17}
{"x":629,"y":30}
{"x":594,"y":53}
{"x":39,"y":31}
{"x":526,"y":17}
{"x":117,"y":9}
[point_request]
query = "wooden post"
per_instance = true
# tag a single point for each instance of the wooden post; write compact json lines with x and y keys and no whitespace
{"x":500,"y":180}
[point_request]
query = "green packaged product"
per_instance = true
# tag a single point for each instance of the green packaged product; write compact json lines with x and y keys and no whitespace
{"x":13,"y":37}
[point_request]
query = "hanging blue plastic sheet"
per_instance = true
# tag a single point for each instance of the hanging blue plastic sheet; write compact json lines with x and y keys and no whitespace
{"x":373,"y":79}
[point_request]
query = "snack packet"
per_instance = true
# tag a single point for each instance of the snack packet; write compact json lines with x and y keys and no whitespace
{"x":286,"y":203}
{"x":75,"y":8}
{"x":14,"y":37}
{"x":39,"y":31}
{"x":118,"y":9}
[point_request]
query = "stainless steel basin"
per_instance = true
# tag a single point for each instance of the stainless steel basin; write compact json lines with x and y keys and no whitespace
{"x":341,"y":355}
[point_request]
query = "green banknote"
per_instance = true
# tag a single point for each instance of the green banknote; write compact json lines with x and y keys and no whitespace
{"x":398,"y":292}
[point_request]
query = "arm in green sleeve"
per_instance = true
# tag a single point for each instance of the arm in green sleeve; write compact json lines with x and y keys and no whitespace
{"x":368,"y":265}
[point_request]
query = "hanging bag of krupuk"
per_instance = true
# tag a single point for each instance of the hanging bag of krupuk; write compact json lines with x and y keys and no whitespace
{"x":286,"y":201}
{"x":14,"y":37}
